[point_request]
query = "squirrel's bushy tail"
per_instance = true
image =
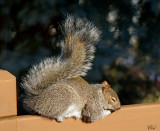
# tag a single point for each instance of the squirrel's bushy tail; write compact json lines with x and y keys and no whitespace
{"x":75,"y":60}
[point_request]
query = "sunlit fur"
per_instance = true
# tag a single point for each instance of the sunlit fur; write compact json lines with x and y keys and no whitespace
{"x":54,"y":89}
{"x":78,"y":49}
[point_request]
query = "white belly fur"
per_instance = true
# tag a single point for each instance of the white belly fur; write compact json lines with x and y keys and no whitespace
{"x":72,"y":111}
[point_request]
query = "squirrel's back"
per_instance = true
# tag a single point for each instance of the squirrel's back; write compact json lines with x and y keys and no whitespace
{"x":64,"y":99}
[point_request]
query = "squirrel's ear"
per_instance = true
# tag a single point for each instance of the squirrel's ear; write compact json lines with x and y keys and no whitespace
{"x":107,"y":86}
{"x":105,"y":82}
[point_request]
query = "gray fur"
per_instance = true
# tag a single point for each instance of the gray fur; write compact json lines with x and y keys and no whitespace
{"x":54,"y":101}
{"x":97,"y":106}
{"x":74,"y":61}
{"x":53,"y":87}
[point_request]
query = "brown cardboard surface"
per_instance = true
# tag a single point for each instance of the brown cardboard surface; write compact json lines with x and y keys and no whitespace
{"x":141,"y":117}
{"x":128,"y":118}
{"x":8,"y":98}
{"x":8,"y":124}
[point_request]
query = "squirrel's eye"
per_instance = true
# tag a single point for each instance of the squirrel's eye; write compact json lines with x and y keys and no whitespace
{"x":113,"y":99}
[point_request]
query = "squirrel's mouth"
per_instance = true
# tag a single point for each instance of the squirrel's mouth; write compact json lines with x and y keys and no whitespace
{"x":112,"y":110}
{"x":109,"y":109}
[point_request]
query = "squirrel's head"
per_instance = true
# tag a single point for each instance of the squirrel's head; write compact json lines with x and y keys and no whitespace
{"x":111,"y":97}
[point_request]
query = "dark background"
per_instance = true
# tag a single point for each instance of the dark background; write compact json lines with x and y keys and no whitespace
{"x":128,"y":54}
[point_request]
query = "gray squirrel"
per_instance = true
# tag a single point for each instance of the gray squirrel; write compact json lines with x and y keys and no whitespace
{"x":54,"y":87}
